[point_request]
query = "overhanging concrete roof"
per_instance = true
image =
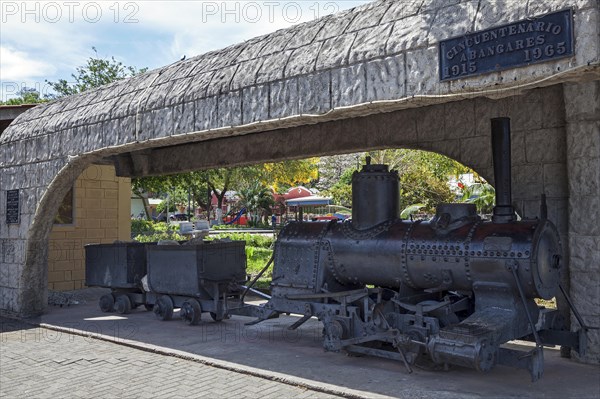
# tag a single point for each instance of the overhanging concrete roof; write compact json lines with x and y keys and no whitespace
{"x":377,"y":57}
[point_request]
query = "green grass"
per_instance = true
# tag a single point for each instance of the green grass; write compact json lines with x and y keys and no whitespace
{"x":258,"y":252}
{"x":257,"y":258}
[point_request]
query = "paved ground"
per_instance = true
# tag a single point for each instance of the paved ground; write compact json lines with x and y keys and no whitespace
{"x":41,"y":363}
{"x":267,"y":350}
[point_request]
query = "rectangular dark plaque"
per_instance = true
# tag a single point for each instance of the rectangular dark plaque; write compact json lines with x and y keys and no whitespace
{"x":12,"y":206}
{"x":529,"y":41}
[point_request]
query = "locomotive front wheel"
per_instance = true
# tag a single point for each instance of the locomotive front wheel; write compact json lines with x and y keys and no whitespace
{"x":163,"y":308}
{"x":190,"y":312}
{"x":107,"y":303}
{"x":215,"y":317}
{"x":123,"y":304}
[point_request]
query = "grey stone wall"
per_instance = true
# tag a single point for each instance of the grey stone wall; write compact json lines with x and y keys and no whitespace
{"x":383,"y":51}
{"x":582,"y":104}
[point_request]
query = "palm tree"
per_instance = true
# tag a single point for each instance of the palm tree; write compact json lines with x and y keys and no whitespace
{"x":258,"y":201}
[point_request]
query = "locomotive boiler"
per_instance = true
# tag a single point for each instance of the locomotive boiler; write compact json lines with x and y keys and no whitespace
{"x":449,"y":291}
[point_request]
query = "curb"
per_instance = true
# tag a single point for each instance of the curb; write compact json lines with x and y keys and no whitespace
{"x":221,"y":364}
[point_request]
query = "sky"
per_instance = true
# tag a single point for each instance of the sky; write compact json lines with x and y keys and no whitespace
{"x":47,"y":40}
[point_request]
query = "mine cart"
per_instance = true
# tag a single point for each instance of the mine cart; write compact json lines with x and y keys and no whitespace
{"x":195,"y":278}
{"x":119,"y":266}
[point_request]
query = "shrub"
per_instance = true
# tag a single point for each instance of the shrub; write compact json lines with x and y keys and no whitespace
{"x":146,"y":227}
{"x":155,"y":237}
{"x":139,"y":226}
{"x":226,"y":227}
{"x":252,"y":240}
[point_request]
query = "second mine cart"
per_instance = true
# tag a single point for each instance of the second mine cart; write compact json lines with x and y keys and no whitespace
{"x":195,"y":278}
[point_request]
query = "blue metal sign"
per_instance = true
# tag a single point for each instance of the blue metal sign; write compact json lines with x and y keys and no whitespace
{"x":530,"y":41}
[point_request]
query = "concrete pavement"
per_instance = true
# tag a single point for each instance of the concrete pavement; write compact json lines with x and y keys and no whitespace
{"x":269,"y":351}
{"x":38,"y":362}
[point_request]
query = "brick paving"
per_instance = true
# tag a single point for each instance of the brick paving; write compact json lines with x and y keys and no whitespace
{"x":40,"y":363}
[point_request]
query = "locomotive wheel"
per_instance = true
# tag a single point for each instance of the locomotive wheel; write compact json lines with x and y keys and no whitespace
{"x":123,"y":304}
{"x":163,"y":308}
{"x":107,"y":303}
{"x":190,"y":312}
{"x":215,"y":317}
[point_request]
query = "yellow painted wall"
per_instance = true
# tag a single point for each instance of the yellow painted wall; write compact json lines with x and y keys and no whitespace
{"x":102,"y":215}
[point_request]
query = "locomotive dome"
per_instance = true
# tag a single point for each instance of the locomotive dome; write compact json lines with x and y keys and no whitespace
{"x":423,"y":74}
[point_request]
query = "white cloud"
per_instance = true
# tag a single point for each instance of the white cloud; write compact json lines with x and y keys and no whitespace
{"x":200,"y":26}
{"x":40,"y":43}
{"x":17,"y":66}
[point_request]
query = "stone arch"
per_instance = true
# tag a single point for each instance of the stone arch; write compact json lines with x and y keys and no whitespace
{"x":432,"y":128}
{"x":35,"y":272}
{"x":370,"y":69}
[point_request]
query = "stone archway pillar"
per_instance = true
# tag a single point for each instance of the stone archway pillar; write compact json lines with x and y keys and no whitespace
{"x":582,"y":106}
{"x":24,"y":245}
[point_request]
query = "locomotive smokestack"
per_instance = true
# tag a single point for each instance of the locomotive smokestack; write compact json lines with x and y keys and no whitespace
{"x":503,"y":211}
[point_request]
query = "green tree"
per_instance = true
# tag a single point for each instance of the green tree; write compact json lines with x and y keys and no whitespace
{"x":220,"y":181}
{"x":26,"y":95}
{"x":423,"y":177}
{"x":258,"y":201}
{"x":419,"y":185}
{"x":96,"y":72}
{"x":404,"y":160}
{"x":176,"y":186}
{"x":331,"y":168}
{"x":341,"y":191}
{"x":281,"y":176}
{"x":482,"y":195}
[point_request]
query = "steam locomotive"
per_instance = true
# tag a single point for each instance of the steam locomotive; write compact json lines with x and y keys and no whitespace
{"x":449,"y":291}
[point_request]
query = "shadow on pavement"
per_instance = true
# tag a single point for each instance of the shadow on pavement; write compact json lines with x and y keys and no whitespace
{"x":270,"y":347}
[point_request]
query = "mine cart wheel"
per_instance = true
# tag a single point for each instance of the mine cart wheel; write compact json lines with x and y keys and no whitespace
{"x":148,"y":306}
{"x":215,"y":317}
{"x":107,"y":303}
{"x":123,"y":304}
{"x":190,"y":311}
{"x":163,"y":308}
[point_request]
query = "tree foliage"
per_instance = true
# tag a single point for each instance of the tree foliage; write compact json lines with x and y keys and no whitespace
{"x":419,"y":185}
{"x":423,"y":176}
{"x":220,"y":181}
{"x":26,"y":95}
{"x":176,"y":186}
{"x":331,"y":168}
{"x":482,"y":195}
{"x":281,"y":176}
{"x":96,"y":72}
{"x":258,"y":201}
{"x":404,"y":160}
{"x":341,"y":191}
